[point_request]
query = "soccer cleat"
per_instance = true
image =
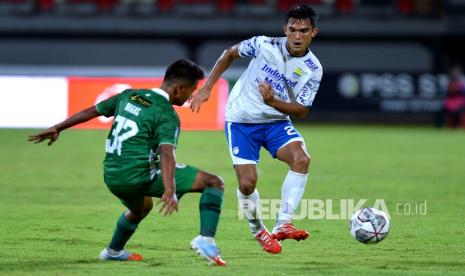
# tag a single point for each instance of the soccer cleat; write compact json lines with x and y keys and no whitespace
{"x":288,"y":231}
{"x":268,"y":244}
{"x":122,"y":255}
{"x":208,"y":251}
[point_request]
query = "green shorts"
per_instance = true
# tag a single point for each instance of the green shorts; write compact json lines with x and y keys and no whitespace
{"x":131,"y":195}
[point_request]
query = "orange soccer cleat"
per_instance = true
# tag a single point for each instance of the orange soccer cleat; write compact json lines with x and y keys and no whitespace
{"x":288,"y":231}
{"x":268,"y":244}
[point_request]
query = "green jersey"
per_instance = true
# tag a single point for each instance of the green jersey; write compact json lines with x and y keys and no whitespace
{"x":144,"y":119}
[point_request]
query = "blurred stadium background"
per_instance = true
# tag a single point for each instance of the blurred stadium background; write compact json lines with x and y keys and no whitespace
{"x":384,"y":60}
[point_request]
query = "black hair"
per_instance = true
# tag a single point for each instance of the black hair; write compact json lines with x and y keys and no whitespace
{"x":302,"y":12}
{"x":183,"y":69}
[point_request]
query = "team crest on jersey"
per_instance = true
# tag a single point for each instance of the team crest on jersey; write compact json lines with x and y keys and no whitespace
{"x":270,"y":58}
{"x":297,"y":73}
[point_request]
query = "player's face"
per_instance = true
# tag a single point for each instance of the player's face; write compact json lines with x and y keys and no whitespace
{"x":299,"y":33}
{"x":183,"y":92}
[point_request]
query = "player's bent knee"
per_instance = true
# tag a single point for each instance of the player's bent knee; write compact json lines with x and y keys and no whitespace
{"x":300,"y":163}
{"x":147,"y":210}
{"x":215,"y":182}
{"x":247,"y":187}
{"x":139,"y":213}
{"x":247,"y":180}
{"x":304,"y":160}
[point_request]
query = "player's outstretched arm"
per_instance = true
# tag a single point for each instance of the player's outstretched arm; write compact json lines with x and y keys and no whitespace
{"x":168,"y":165}
{"x":53,"y":132}
{"x":294,"y":109}
{"x":221,"y":65}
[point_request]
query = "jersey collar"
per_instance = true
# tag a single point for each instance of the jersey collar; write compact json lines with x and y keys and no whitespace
{"x":286,"y":52}
{"x":161,"y":92}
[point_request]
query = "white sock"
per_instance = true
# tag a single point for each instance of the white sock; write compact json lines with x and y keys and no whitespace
{"x":249,"y":205}
{"x":291,"y":194}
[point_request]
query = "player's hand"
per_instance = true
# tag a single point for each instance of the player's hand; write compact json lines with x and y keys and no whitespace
{"x":267,"y":93}
{"x":50,"y":133}
{"x":202,"y":95}
{"x":169,"y":202}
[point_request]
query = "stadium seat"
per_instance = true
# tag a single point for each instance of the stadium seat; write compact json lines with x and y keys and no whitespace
{"x":254,"y":7}
{"x":17,"y":7}
{"x":285,"y":5}
{"x":376,"y":7}
{"x":165,"y":5}
{"x":404,"y":6}
{"x":321,"y":7}
{"x":77,"y":7}
{"x":45,"y":5}
{"x":429,"y":8}
{"x":344,"y":6}
{"x":196,"y":7}
{"x":143,"y":7}
{"x":226,"y":6}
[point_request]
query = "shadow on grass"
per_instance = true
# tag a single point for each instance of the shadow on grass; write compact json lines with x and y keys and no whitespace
{"x":422,"y":265}
{"x":67,"y":241}
{"x":44,"y":264}
{"x":60,"y":265}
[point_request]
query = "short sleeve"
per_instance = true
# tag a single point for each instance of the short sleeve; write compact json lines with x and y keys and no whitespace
{"x":168,"y":129}
{"x":251,"y":46}
{"x":307,"y":94}
{"x":108,"y":106}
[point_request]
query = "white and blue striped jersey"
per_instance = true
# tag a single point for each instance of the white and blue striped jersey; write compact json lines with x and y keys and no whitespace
{"x":294,"y":79}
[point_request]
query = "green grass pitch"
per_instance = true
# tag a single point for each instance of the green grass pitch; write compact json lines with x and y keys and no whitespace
{"x":57,"y":214}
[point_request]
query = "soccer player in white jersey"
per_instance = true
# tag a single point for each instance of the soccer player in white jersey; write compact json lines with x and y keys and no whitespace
{"x":281,"y":80}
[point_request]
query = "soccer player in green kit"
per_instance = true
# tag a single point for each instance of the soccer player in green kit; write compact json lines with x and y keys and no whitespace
{"x":140,"y":162}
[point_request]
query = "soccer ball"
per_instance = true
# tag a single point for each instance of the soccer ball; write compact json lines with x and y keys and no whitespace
{"x":369,"y":225}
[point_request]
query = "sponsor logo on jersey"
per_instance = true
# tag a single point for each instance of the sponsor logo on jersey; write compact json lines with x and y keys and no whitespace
{"x":311,"y":64}
{"x":140,"y":100}
{"x":308,"y":92}
{"x":278,"y":88}
{"x":277,"y":76}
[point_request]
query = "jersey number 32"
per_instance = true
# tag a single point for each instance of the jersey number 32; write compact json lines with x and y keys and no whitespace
{"x":123,"y":129}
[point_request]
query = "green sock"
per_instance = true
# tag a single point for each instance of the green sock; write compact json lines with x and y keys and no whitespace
{"x":124,"y":230}
{"x":210,"y":209}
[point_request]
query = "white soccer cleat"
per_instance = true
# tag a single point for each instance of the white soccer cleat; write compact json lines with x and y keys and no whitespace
{"x":122,"y":255}
{"x":208,"y":251}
